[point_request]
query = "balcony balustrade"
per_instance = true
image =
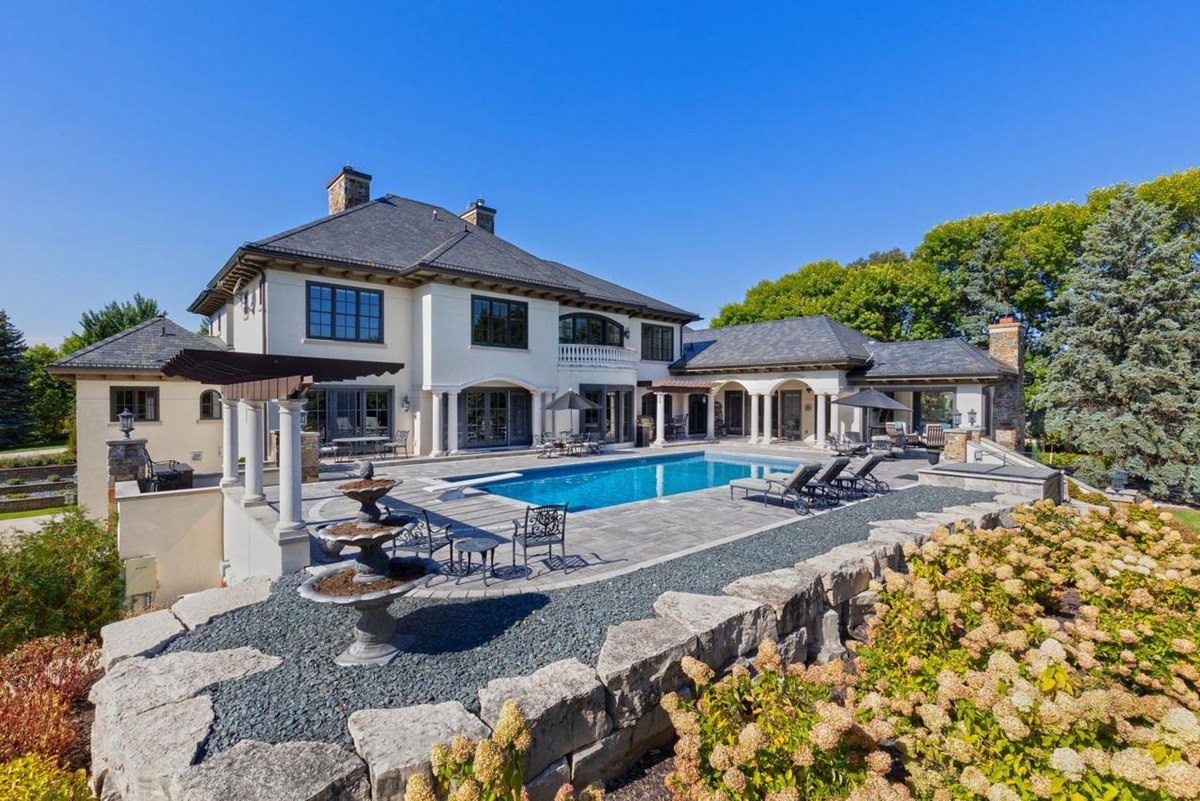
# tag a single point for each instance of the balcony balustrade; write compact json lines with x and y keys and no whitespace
{"x":602,"y":356}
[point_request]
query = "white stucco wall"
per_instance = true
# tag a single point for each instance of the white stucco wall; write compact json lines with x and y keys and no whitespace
{"x":178,"y":434}
{"x":181,"y":529}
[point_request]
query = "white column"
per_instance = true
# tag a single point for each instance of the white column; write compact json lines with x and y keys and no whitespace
{"x":822,"y":429}
{"x":254,"y":453}
{"x":452,"y":425}
{"x":768,"y":430}
{"x":711,"y":427}
{"x":229,"y":442}
{"x":660,"y":421}
{"x":753,"y":438}
{"x":290,"y":478}
{"x":435,"y":417}
{"x":538,"y":417}
{"x":858,"y":422}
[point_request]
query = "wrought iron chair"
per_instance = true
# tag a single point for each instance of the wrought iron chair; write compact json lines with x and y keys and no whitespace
{"x":423,"y":536}
{"x":400,"y":443}
{"x":542,"y":527}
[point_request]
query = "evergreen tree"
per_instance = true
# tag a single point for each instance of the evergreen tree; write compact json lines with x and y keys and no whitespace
{"x":1123,"y":383}
{"x":14,"y":385}
{"x":985,"y":289}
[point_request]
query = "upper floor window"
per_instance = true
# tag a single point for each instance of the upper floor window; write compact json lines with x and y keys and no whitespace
{"x":343,"y":313}
{"x":142,"y":401}
{"x":590,"y":329}
{"x":658,"y":342}
{"x":499,"y":323}
{"x":210,"y":405}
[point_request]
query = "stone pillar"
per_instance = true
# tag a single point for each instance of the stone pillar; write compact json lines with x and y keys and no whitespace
{"x":310,"y":456}
{"x":290,"y":479}
{"x":435,"y":418}
{"x":822,"y":424}
{"x":538,"y":417}
{"x":768,"y":432}
{"x":229,"y":442}
{"x":660,"y":419}
{"x":1006,"y":344}
{"x":711,"y":426}
{"x":254,"y":453}
{"x":452,"y":424}
{"x":754,"y":404}
{"x":126,"y":462}
{"x":956,"y":445}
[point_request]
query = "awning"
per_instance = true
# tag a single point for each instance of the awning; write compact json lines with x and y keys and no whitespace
{"x":265,"y":376}
{"x":678,"y":385}
{"x":872,"y":399}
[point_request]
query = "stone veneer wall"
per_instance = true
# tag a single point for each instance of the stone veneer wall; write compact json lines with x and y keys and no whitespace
{"x":588,"y":723}
{"x":1006,"y":343}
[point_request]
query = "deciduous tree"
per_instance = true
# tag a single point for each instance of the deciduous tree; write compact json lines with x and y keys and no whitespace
{"x":51,"y":400}
{"x":112,"y":319}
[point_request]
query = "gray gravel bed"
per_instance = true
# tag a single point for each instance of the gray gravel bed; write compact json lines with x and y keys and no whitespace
{"x":462,"y":644}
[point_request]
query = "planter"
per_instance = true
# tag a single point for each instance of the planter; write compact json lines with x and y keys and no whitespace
{"x":38,"y":473}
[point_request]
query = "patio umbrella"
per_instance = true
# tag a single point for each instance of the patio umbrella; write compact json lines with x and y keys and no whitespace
{"x":873,"y":399}
{"x":571,"y":401}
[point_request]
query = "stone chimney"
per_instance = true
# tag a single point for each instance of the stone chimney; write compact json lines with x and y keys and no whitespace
{"x":480,"y":214}
{"x":1006,"y":344}
{"x":347,"y":189}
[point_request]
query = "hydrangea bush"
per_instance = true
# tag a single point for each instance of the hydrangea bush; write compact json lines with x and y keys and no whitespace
{"x":1056,"y":659}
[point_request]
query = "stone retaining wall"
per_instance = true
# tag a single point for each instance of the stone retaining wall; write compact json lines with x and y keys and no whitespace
{"x":30,"y":504}
{"x":37,"y":473}
{"x":589,"y":723}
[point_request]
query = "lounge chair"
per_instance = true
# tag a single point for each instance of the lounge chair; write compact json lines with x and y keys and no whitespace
{"x":862,"y":481}
{"x":785,"y":486}
{"x":422,"y":536}
{"x":594,"y":443}
{"x":549,"y":446}
{"x":542,"y":527}
{"x":849,"y":444}
{"x":824,"y":486}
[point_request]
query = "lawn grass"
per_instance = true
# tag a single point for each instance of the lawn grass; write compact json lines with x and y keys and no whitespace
{"x":1189,"y":517}
{"x":54,"y":510}
{"x":34,"y":446}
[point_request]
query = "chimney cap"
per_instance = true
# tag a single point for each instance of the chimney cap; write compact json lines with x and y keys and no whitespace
{"x":348,"y":170}
{"x":479,"y":204}
{"x":1008,"y":318}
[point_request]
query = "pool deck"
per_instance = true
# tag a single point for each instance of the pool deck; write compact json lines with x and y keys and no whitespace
{"x":601,"y":543}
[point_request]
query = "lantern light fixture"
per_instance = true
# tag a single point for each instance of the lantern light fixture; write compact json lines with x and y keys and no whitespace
{"x":125,"y":421}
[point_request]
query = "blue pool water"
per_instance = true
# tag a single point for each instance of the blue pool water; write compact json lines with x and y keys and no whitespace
{"x":595,"y":485}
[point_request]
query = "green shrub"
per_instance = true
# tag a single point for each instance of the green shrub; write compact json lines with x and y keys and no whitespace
{"x":37,"y":460}
{"x":37,"y":777}
{"x":43,"y":681}
{"x":63,"y":579}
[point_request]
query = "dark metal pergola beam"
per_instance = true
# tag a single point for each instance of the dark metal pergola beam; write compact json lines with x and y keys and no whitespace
{"x":264,"y":376}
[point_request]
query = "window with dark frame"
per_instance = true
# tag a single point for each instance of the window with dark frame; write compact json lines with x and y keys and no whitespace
{"x":499,"y":323}
{"x":658,"y":343}
{"x":142,"y":401}
{"x":210,"y":405}
{"x":590,"y":329}
{"x":344,"y":314}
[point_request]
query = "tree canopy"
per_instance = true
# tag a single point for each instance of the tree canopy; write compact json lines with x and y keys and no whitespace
{"x":14,"y":385}
{"x":112,"y":319}
{"x":1124,"y":383}
{"x":51,"y":400}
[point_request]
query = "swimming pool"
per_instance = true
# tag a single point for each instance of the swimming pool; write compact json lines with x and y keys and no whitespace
{"x":595,"y":485}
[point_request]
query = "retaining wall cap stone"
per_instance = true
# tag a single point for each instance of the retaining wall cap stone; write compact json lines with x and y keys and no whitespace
{"x":201,"y":607}
{"x":845,"y":570}
{"x":396,"y":742}
{"x":138,"y":636}
{"x":639,"y":662}
{"x":146,"y":750}
{"x":726,"y":626}
{"x":545,"y":785}
{"x":256,"y":771}
{"x":794,"y":593}
{"x":564,"y":704}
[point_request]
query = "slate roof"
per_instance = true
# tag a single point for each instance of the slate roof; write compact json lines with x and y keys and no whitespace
{"x":930,"y":358}
{"x":146,"y":346}
{"x":401,"y":235}
{"x":811,"y":341}
{"x":797,"y":341}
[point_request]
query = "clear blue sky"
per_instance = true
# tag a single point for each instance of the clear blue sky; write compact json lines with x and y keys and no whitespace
{"x":685,"y":150}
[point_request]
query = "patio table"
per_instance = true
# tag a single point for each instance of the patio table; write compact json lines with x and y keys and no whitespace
{"x":484,"y":546}
{"x":357,"y":445}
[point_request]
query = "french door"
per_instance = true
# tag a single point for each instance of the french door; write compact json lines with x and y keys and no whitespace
{"x":735,"y":412}
{"x":495,"y":418}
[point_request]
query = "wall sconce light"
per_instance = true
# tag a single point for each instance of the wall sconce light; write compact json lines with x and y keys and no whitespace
{"x":304,"y":419}
{"x":956,"y":418}
{"x":1119,"y":479}
{"x":405,"y":403}
{"x":972,"y":416}
{"x":125,"y":421}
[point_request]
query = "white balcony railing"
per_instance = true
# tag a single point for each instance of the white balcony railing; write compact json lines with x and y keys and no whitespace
{"x":604,"y":356}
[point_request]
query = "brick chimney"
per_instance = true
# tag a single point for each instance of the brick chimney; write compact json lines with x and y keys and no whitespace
{"x":478,"y":213}
{"x":347,"y":189}
{"x":1006,"y":344}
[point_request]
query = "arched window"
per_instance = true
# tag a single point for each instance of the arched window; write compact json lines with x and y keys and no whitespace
{"x":210,"y":405}
{"x":590,"y":329}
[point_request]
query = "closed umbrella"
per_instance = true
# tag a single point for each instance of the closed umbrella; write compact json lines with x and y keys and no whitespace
{"x":571,"y":401}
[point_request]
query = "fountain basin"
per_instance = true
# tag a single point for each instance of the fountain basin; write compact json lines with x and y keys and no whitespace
{"x":366,"y":491}
{"x":375,"y":641}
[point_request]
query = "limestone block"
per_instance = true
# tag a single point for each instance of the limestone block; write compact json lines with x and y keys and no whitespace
{"x":639,"y":662}
{"x":794,"y":647}
{"x":545,"y":785}
{"x":143,"y":635}
{"x":616,"y":754}
{"x":794,"y":593}
{"x":887,"y":555}
{"x":396,"y":742}
{"x":892,"y":536}
{"x":945,"y":519}
{"x":726,"y":627}
{"x":146,"y":750}
{"x":200,"y":607}
{"x":258,"y":771}
{"x":845,"y":570}
{"x":564,"y":704}
{"x":829,"y":638}
{"x":862,"y":609}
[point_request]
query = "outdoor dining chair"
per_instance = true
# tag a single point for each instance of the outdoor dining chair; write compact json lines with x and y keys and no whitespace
{"x":397,"y":444}
{"x":424,"y":536}
{"x":542,"y":527}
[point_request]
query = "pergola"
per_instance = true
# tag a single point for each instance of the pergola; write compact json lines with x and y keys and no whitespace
{"x":251,"y":380}
{"x":660,"y":388}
